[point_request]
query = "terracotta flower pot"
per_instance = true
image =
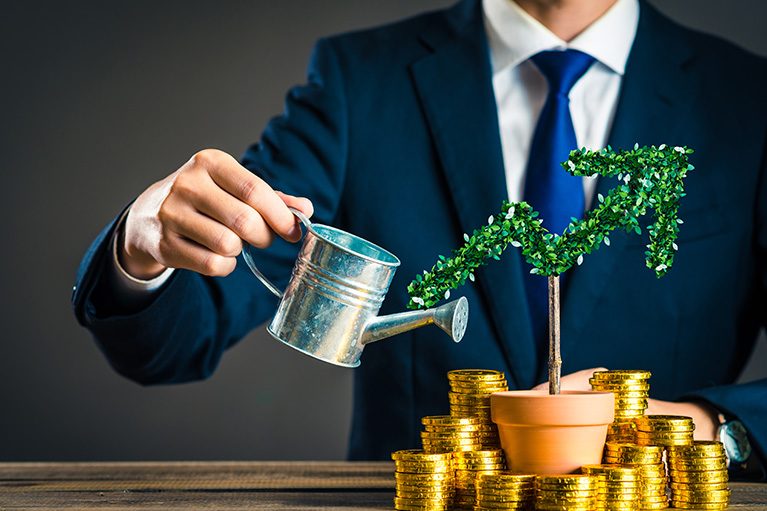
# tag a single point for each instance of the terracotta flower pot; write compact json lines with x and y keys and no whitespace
{"x":552,"y":434}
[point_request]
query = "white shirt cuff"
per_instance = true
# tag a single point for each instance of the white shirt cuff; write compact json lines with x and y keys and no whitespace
{"x":127,"y":283}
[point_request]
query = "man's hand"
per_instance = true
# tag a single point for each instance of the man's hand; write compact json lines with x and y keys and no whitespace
{"x":704,"y":416}
{"x":197,"y":217}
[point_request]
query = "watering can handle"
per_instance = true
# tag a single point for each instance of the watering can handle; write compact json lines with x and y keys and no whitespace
{"x":252,"y":264}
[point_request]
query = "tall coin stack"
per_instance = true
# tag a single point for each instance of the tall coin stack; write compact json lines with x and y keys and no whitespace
{"x":648,"y":461}
{"x":469,"y":396}
{"x":631,"y":389}
{"x":468,"y":465}
{"x":423,"y":481}
{"x":447,"y":433}
{"x":567,"y":492}
{"x":698,"y":475}
{"x":619,"y":487}
{"x":509,"y":492}
{"x":666,"y":430}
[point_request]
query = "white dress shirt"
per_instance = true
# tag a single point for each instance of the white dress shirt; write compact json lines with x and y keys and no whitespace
{"x":520,"y":89}
{"x":520,"y":92}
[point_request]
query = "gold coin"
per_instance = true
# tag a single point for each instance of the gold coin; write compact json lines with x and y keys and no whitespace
{"x":418,"y":455}
{"x":407,"y":481}
{"x":469,"y":464}
{"x":589,"y":506}
{"x":404,"y":505}
{"x":620,"y":388}
{"x":484,"y":454}
{"x":446,"y":464}
{"x":450,"y":434}
{"x":665,"y":443}
{"x":424,"y":469}
{"x":424,"y":480}
{"x":700,"y":448}
{"x":447,"y":420}
{"x":664,"y":423}
{"x":698,"y":465}
{"x":647,"y":506}
{"x":475,"y":374}
{"x":475,"y":412}
{"x":511,"y":496}
{"x":623,"y":374}
{"x":404,"y":490}
{"x":422,"y":494}
{"x":612,"y":472}
{"x":663,"y":434}
{"x":479,"y":385}
{"x":713,"y":476}
{"x":508,"y":506}
{"x":577,"y":502}
{"x":633,"y":448}
{"x":700,"y":505}
{"x":432,"y":436}
{"x":565,"y":479}
{"x":693,"y":487}
{"x":701,"y":496}
{"x":632,"y":459}
{"x":427,"y":503}
{"x":508,"y":477}
{"x":696,"y":462}
{"x":564,"y":497}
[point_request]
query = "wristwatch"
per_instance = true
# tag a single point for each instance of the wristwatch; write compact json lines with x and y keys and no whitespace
{"x":732,"y":433}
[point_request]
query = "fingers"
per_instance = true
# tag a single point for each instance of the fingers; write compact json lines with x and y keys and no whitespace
{"x":207,"y":232}
{"x":177,"y":252}
{"x":574,"y":381}
{"x":256,"y":193}
{"x":302,"y":204}
{"x":241,"y":219}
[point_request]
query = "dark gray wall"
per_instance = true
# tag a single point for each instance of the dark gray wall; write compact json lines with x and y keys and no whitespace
{"x":99,"y":99}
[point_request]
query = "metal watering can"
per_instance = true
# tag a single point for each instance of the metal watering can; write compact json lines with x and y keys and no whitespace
{"x":330,"y":308}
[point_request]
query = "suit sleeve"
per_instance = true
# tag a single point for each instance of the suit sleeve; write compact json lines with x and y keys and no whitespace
{"x":748,"y":402}
{"x":181,"y":332}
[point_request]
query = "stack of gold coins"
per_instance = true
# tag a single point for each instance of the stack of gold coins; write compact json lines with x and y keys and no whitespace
{"x":619,"y":487}
{"x":566,"y":492}
{"x":631,"y":389}
{"x":648,"y":461}
{"x":698,"y":475}
{"x":666,"y":430}
{"x":468,"y":465}
{"x":505,"y":491}
{"x":446,"y":433}
{"x":423,"y":482}
{"x":469,"y":396}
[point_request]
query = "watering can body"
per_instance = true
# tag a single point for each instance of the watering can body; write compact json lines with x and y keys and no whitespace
{"x":329,"y":309}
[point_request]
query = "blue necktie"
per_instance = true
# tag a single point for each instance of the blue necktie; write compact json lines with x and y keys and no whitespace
{"x":549,"y":189}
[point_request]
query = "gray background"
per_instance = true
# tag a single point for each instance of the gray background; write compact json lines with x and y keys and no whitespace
{"x":98,"y":100}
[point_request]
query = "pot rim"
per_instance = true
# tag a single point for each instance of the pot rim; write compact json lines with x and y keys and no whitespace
{"x":525,"y":408}
{"x":542,"y":394}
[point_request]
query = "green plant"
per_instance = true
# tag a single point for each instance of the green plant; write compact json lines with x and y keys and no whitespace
{"x":651,"y":178}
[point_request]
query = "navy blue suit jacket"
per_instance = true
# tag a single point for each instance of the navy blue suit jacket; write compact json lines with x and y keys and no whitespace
{"x":395,"y":138}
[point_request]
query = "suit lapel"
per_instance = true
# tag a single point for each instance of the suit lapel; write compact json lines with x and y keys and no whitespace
{"x":655,"y":96}
{"x":454,"y":86}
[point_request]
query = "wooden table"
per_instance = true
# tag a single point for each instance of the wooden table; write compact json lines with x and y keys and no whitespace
{"x":223,"y":486}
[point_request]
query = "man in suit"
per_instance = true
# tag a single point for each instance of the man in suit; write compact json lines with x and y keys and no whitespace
{"x":412,"y":134}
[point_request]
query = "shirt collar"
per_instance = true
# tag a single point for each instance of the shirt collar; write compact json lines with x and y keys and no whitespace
{"x":515,"y":36}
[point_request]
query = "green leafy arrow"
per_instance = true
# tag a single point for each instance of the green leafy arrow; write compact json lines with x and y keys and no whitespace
{"x":649,"y":177}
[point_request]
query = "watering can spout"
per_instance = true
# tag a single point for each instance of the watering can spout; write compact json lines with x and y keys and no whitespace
{"x":451,"y":317}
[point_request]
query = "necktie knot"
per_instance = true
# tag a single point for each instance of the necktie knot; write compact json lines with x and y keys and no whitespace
{"x":562,"y":68}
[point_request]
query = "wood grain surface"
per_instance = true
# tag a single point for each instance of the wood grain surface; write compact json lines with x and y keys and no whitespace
{"x":223,"y":486}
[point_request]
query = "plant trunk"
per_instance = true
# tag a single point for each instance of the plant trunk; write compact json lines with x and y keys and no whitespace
{"x":555,"y":356}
